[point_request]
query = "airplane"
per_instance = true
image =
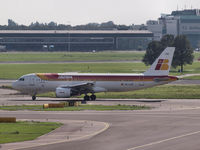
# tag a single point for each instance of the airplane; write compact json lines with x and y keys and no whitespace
{"x":66,"y":85}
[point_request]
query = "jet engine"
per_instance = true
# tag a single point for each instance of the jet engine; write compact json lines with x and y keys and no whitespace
{"x":63,"y":92}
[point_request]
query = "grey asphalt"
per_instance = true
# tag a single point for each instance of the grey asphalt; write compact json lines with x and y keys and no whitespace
{"x":141,"y":130}
{"x":170,"y":125}
{"x":71,"y":130}
{"x":184,"y":81}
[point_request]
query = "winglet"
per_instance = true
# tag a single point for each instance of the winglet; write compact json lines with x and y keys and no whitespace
{"x":162,"y":64}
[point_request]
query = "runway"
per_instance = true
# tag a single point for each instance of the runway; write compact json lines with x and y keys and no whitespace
{"x":170,"y":125}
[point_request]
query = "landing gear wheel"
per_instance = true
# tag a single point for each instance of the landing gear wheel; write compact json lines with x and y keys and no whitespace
{"x":86,"y":98}
{"x":33,"y":98}
{"x":93,"y":97}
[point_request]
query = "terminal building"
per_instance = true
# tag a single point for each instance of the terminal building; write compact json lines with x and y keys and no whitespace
{"x":186,"y":22}
{"x":76,"y":40}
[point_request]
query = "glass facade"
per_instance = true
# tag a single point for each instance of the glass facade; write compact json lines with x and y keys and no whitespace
{"x":100,"y":40}
{"x":124,"y":43}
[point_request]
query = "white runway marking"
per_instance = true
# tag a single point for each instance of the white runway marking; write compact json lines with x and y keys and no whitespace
{"x":166,"y":140}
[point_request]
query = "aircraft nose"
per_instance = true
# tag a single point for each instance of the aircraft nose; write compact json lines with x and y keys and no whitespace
{"x":14,"y":85}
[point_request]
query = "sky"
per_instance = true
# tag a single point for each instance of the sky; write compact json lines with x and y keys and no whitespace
{"x":76,"y":12}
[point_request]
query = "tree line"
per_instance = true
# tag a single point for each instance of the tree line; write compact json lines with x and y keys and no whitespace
{"x":183,"y":53}
{"x":110,"y":25}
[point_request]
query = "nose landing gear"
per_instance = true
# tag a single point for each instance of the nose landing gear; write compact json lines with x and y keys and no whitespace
{"x":33,"y":97}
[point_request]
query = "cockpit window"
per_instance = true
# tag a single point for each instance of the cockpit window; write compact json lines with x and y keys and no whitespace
{"x":21,"y":79}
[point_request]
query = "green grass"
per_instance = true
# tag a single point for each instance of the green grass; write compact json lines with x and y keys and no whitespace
{"x":23,"y":131}
{"x":22,"y":107}
{"x":192,"y":78}
{"x":75,"y":56}
{"x":14,"y":71}
{"x":196,"y":55}
{"x":159,"y":92}
{"x":72,"y":56}
{"x":188,"y":69}
{"x":79,"y":108}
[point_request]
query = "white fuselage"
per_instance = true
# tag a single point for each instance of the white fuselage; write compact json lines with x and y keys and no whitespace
{"x":68,"y":84}
{"x":36,"y":83}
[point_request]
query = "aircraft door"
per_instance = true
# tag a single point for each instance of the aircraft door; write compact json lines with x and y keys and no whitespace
{"x":31,"y":85}
{"x":42,"y":83}
{"x":32,"y":81}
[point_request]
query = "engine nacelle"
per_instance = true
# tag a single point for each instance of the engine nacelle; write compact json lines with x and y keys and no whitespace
{"x":63,"y":92}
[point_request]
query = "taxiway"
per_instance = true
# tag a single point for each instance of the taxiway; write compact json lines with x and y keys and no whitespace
{"x":171,"y":124}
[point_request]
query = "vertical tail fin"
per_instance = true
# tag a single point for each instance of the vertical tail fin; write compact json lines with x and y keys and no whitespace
{"x":162,"y":64}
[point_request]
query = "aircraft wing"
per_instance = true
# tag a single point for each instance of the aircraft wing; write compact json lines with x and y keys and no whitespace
{"x":81,"y":88}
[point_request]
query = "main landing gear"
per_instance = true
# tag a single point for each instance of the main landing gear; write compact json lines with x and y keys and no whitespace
{"x":92,"y":97}
{"x":86,"y":98}
{"x":33,"y":98}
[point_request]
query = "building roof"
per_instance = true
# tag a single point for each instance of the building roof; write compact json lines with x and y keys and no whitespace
{"x":75,"y":31}
{"x":187,"y":12}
